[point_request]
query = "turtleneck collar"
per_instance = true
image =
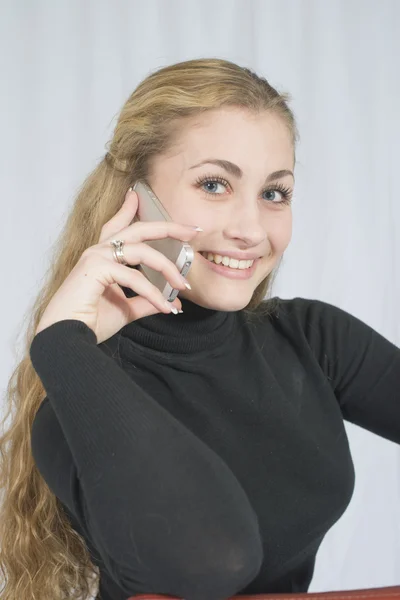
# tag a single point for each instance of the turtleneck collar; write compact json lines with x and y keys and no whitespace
{"x":194,"y":330}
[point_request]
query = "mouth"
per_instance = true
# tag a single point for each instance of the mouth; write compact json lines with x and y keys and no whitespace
{"x":226,"y":261}
{"x":233,"y":270}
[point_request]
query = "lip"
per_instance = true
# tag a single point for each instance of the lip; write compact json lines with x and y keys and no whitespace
{"x":235,"y":254}
{"x":228,"y":272}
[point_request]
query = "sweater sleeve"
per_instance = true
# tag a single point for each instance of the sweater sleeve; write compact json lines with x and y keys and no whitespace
{"x":362,"y":366}
{"x":162,"y":509}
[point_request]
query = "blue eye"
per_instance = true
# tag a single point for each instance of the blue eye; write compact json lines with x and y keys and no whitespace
{"x":284,"y":191}
{"x":210,"y":182}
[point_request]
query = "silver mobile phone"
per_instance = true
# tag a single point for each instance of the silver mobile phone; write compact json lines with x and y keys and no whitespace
{"x":180,"y":253}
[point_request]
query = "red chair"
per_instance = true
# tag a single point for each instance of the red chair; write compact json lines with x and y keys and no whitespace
{"x":381,"y":593}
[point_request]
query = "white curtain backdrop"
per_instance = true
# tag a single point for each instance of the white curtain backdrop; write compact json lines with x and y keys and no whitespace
{"x":67,"y":66}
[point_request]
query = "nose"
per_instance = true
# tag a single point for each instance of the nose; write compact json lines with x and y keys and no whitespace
{"x":246,"y":225}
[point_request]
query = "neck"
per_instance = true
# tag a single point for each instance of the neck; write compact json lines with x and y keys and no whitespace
{"x":194,"y":330}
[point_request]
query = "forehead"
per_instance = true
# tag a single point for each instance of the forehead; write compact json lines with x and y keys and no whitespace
{"x":251,"y":140}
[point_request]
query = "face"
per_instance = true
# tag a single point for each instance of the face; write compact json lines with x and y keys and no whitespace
{"x":241,"y":214}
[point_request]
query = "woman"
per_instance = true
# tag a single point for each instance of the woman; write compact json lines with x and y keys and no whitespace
{"x":201,"y":454}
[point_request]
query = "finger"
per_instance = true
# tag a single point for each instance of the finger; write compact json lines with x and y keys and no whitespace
{"x":142,"y":231}
{"x":137,"y":282}
{"x":142,"y":254}
{"x":123,"y":218}
{"x":140,"y":307}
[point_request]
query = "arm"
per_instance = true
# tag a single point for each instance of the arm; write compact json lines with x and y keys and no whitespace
{"x":363,"y":368}
{"x":151,"y":495}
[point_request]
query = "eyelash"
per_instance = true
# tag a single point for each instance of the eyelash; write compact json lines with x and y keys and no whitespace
{"x":285,"y":191}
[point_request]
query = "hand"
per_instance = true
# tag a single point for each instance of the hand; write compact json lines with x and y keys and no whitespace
{"x":91,"y":292}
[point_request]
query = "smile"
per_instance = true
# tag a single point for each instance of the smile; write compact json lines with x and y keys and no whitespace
{"x":227,"y":271}
{"x":232,"y":263}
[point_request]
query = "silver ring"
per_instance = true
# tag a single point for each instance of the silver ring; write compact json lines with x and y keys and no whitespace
{"x":118,"y":252}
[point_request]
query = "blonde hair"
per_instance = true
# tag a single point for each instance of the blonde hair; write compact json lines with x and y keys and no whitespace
{"x":42,"y":556}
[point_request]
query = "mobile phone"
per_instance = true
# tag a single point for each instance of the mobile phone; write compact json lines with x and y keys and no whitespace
{"x":180,"y":253}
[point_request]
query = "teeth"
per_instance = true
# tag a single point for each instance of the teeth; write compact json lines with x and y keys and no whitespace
{"x":233,"y":263}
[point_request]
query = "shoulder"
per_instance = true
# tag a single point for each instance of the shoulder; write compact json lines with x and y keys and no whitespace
{"x":309,"y":309}
{"x":314,"y":320}
{"x":354,"y":356}
{"x":303,"y":310}
{"x":313,"y":314}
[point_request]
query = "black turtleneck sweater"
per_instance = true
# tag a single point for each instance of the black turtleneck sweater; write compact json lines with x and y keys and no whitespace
{"x":202,"y":455}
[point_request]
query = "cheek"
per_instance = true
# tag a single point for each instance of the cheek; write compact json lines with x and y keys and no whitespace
{"x":187,"y":211}
{"x":280,"y":233}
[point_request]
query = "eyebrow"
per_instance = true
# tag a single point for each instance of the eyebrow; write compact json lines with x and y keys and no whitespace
{"x":237,"y":171}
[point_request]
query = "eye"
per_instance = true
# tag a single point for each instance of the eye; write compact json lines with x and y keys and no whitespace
{"x":274,"y":191}
{"x":212,"y":183}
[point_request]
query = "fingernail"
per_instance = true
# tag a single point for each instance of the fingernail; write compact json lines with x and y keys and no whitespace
{"x":198,"y":229}
{"x":187,"y":284}
{"x":168,"y":305}
{"x":174,"y":310}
